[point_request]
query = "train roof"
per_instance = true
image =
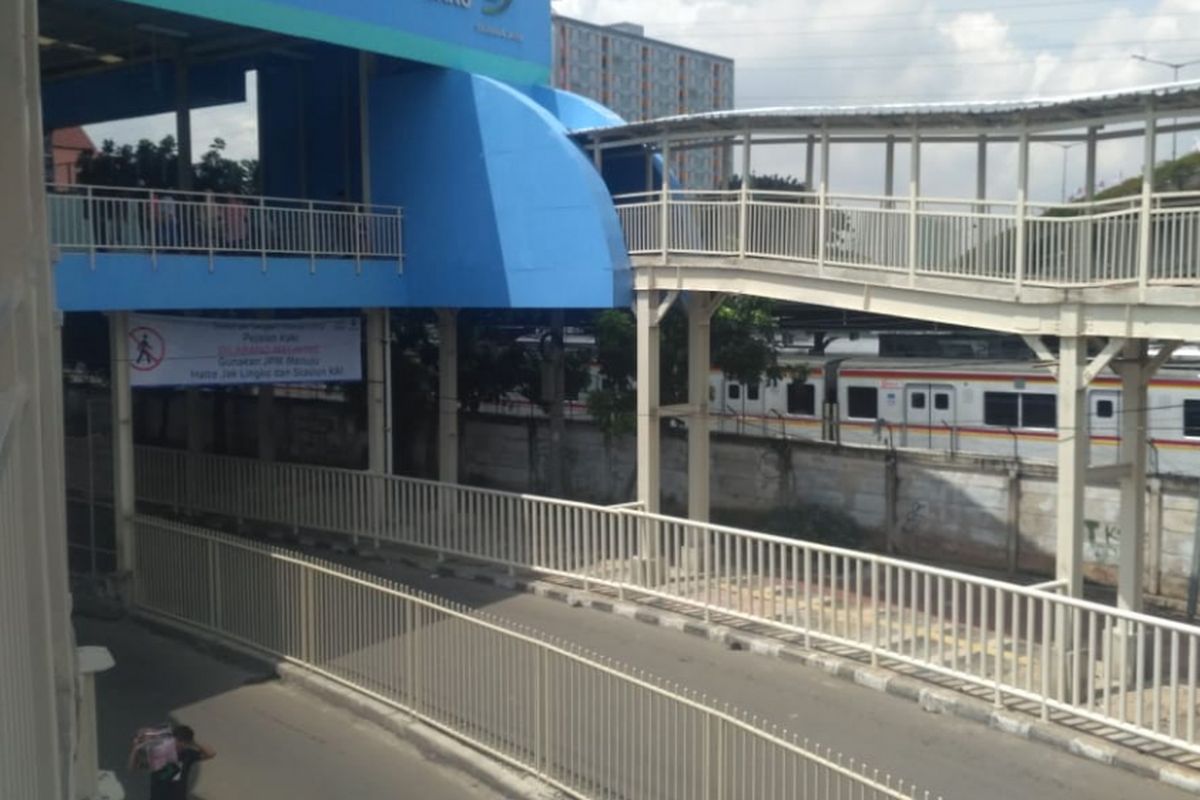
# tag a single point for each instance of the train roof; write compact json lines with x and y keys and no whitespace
{"x":944,"y":365}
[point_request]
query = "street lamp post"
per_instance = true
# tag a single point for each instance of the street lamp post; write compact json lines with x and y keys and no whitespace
{"x":1065,"y":149}
{"x":1174,"y":66}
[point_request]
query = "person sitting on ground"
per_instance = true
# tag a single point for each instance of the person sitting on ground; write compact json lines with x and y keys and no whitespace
{"x":171,"y":782}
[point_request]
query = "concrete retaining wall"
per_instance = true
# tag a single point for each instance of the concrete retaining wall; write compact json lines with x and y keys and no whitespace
{"x":985,"y":512}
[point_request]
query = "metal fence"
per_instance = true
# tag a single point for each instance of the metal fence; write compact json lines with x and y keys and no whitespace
{"x":1068,"y":244}
{"x":99,"y":218}
{"x":588,"y":726}
{"x":1132,"y":672}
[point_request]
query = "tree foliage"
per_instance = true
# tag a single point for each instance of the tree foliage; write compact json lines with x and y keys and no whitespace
{"x":153,"y":165}
{"x":744,"y":347}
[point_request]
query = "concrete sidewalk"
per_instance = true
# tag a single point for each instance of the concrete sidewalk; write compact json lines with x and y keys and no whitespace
{"x":273,"y":741}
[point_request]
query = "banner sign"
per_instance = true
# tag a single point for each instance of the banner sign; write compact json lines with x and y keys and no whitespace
{"x":194,"y":351}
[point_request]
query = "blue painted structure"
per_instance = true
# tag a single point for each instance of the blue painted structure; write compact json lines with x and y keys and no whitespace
{"x":506,"y":39}
{"x":502,"y":208}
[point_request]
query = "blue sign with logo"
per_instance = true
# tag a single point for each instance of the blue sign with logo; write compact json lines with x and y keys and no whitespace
{"x":506,"y":39}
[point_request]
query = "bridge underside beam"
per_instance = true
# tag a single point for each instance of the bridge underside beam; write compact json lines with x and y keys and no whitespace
{"x":1167,"y":312}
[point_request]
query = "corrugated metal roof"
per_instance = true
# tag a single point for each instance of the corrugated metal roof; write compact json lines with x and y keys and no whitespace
{"x":1070,"y":110}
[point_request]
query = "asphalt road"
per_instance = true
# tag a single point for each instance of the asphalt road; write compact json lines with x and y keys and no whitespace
{"x":273,"y":742}
{"x":945,"y":755}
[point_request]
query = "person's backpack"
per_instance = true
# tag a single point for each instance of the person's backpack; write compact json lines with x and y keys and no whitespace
{"x":157,"y":752}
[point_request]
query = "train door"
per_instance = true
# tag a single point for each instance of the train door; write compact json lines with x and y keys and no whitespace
{"x":929,"y":412}
{"x":1104,"y":425}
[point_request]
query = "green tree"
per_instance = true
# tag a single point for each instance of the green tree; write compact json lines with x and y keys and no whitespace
{"x":154,"y":165}
{"x":744,"y":347}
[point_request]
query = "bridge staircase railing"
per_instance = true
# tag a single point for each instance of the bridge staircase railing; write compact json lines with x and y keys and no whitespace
{"x":101,"y":219}
{"x":588,"y":726}
{"x":1030,"y":648}
{"x":1062,"y":245}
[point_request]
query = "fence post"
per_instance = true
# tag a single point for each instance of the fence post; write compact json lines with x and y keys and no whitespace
{"x":214,"y":586}
{"x":96,"y":228}
{"x":399,"y":241}
{"x":209,"y":220}
{"x":875,"y":613}
{"x":744,"y":199}
{"x":541,"y":712}
{"x":152,"y":223}
{"x":262,"y":231}
{"x":306,"y":605}
{"x":312,"y":239}
{"x":356,"y":232}
{"x":914,"y":193}
{"x":1145,"y":217}
{"x":665,"y":203}
{"x":1022,"y":209}
{"x":823,"y":205}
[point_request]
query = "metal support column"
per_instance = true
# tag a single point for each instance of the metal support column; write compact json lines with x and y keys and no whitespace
{"x":1146,"y":218}
{"x":1072,"y":458}
{"x":889,"y":167}
{"x":122,"y":441}
{"x":1135,"y":379}
{"x":183,"y":122}
{"x":809,"y":158}
{"x":378,"y":444}
{"x":447,"y":395}
{"x":648,"y":400}
{"x":914,"y":205}
{"x":700,"y":308}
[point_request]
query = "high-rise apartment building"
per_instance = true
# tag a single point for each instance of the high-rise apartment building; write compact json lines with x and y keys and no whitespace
{"x":642,"y":78}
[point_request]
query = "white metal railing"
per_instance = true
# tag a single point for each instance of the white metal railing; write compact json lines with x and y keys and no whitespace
{"x":1068,"y":244}
{"x":586,"y":725}
{"x":1130,"y":671}
{"x":99,"y":218}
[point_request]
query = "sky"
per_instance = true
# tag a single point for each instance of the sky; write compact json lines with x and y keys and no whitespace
{"x":845,"y":52}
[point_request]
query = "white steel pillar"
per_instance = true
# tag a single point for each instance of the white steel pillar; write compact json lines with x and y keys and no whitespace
{"x":648,"y":400}
{"x":809,"y":158}
{"x":447,"y":395}
{"x":1072,"y":458}
{"x":1135,"y":378}
{"x":889,"y":167}
{"x":1148,"y":159}
{"x":914,"y":204}
{"x":122,"y":440}
{"x":378,"y":369}
{"x":700,"y":308}
{"x":981,"y":158}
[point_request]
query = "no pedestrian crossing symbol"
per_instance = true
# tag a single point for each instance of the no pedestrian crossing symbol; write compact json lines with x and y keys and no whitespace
{"x":147,"y":348}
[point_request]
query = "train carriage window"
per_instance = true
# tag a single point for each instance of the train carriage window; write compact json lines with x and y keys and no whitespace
{"x":752,"y":392}
{"x":802,"y":399}
{"x":941,"y":401}
{"x":1104,"y":409}
{"x":918,"y":400}
{"x":1039,"y":411}
{"x":862,"y":402}
{"x":1001,"y":408}
{"x":735,"y":391}
{"x":1191,"y":418}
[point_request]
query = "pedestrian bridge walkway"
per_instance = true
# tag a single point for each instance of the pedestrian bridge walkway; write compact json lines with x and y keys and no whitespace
{"x":1028,"y":647}
{"x":1126,"y":261}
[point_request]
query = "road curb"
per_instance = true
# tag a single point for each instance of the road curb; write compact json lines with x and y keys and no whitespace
{"x":430,"y":741}
{"x":930,"y":699}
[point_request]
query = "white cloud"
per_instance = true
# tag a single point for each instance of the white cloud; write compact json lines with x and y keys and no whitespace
{"x":829,"y":52}
{"x":237,"y":124}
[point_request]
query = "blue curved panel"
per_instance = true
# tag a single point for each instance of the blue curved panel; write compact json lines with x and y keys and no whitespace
{"x":502,"y":209}
{"x":574,"y":111}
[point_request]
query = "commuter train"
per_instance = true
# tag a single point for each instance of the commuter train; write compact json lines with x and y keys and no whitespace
{"x":1000,"y":408}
